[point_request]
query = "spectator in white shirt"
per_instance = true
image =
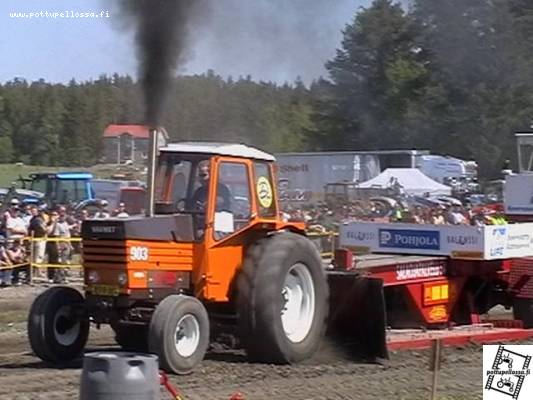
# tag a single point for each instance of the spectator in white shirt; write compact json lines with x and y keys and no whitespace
{"x":456,"y":216}
{"x":15,"y":226}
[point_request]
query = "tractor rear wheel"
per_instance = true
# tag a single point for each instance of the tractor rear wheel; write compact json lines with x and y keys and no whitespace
{"x":179,"y":333}
{"x":56,"y":332}
{"x":523,"y":310}
{"x":282,"y":299}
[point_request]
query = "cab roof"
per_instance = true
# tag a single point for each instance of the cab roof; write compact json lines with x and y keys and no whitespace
{"x":223,"y":149}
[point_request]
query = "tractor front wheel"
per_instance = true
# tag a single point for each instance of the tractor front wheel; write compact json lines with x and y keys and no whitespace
{"x":282,"y":299}
{"x":179,"y":333}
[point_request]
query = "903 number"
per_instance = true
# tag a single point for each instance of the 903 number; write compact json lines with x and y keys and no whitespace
{"x":139,"y":253}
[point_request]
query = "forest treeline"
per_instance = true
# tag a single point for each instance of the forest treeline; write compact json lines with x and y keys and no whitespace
{"x":451,"y":76}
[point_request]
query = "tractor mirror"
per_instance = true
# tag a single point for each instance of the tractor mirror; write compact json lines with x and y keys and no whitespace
{"x":224,"y":222}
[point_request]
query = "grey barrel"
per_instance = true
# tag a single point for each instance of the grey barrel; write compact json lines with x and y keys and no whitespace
{"x":119,"y":376}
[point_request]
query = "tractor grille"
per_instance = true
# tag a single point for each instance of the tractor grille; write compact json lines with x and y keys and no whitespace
{"x":135,"y":254}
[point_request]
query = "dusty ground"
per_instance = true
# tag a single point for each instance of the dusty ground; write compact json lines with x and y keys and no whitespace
{"x":328,"y":376}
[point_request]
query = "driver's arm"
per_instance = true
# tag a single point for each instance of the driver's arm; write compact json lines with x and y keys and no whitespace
{"x":197,"y":202}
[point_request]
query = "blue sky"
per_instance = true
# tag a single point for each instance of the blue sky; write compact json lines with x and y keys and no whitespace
{"x":269,"y":39}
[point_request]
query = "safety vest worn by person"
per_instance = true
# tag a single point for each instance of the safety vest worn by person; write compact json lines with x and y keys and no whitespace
{"x":496,"y":220}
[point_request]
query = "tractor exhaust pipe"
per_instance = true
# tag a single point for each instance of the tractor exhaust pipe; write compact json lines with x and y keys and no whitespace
{"x":152,"y":155}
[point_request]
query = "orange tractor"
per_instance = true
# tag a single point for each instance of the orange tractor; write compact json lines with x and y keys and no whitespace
{"x":213,"y":253}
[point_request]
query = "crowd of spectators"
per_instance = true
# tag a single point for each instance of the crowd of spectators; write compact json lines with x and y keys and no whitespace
{"x":51,"y":230}
{"x":45,"y":234}
{"x":324,"y":218}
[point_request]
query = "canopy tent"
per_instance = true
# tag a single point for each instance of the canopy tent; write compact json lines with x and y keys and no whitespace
{"x":410,"y":180}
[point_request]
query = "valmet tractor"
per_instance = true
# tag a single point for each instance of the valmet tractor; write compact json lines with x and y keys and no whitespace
{"x":214,"y":250}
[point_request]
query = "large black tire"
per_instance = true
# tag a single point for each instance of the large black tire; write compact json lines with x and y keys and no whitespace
{"x":179,"y":315}
{"x":131,"y":337}
{"x":261,"y":299}
{"x":56,"y":334}
{"x":523,"y":310}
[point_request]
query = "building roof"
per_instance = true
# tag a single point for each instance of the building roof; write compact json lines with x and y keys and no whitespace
{"x":224,"y":149}
{"x":137,"y":131}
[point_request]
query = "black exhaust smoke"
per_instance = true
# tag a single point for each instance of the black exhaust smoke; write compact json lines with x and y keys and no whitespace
{"x":161,"y":36}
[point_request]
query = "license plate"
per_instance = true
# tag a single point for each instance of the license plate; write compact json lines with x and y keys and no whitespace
{"x":103,"y":290}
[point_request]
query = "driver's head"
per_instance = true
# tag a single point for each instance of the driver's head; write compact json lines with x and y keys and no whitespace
{"x":203,"y":172}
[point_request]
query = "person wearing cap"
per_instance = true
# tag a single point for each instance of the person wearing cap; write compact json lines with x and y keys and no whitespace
{"x":15,"y":225}
{"x":13,"y":209}
{"x":121,"y":212}
{"x":199,"y":198}
{"x":102,"y":213}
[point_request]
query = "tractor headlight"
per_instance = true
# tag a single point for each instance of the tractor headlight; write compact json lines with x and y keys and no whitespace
{"x":122,"y":279}
{"x":93,"y":277}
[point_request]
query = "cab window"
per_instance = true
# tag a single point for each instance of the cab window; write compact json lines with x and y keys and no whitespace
{"x":233,"y":206}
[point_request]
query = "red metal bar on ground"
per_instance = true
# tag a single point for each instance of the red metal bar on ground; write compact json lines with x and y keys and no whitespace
{"x":163,"y":380}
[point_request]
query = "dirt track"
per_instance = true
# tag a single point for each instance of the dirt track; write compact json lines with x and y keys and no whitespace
{"x":328,"y":376}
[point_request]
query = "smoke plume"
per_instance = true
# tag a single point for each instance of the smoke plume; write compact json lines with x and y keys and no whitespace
{"x":161,"y":28}
{"x":275,"y":40}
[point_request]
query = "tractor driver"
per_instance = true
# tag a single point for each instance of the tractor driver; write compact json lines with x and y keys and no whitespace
{"x":200,"y":196}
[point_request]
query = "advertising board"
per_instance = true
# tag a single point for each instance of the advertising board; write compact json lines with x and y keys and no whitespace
{"x":509,"y":241}
{"x":518,"y":194}
{"x":458,"y":241}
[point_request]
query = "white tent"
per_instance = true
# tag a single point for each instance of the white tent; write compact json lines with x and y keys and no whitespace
{"x":412,"y":180}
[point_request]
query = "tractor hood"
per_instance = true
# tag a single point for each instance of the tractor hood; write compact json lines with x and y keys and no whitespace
{"x":177,"y":228}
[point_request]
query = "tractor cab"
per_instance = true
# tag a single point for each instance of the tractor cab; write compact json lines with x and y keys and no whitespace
{"x":210,"y":202}
{"x":225,"y":188}
{"x":62,"y":187}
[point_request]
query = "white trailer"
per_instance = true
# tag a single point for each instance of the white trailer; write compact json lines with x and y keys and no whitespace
{"x":303,"y":176}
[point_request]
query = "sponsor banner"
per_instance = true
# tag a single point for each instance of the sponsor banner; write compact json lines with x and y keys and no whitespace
{"x":413,"y":238}
{"x":508,"y":241}
{"x":468,"y":242}
{"x":410,"y":239}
